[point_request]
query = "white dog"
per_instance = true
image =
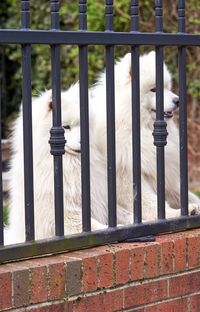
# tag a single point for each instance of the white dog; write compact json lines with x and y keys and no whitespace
{"x":43,"y":172}
{"x":123,"y":76}
{"x":44,"y":176}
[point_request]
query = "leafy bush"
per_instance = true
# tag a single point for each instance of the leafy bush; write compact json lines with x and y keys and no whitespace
{"x":41,"y":60}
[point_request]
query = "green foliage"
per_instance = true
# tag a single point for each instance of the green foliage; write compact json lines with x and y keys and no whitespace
{"x":5,"y":214}
{"x":41,"y":57}
{"x":198,"y":193}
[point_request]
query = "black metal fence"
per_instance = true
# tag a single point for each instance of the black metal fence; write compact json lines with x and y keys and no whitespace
{"x":83,"y":38}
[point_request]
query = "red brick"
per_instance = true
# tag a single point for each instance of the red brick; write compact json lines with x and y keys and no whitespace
{"x":73,"y":277}
{"x":61,"y":307}
{"x":105,"y":270}
{"x":21,"y":287}
{"x":184,"y":284}
{"x":179,"y":254}
{"x":137,"y":263}
{"x":116,"y":297}
{"x":109,"y":302}
{"x":89,"y":304}
{"x":5,"y":290}
{"x":145,"y":293}
{"x":193,"y":251}
{"x":87,"y":253}
{"x":39,"y":283}
{"x":122,"y":266}
{"x":194,"y":303}
{"x":152,"y":260}
{"x":89,"y":274}
{"x":56,"y":281}
{"x":179,"y":305}
{"x":166,"y":257}
{"x":70,"y":307}
{"x":192,"y":232}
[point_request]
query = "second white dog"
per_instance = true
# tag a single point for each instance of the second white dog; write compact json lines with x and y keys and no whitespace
{"x":123,"y":77}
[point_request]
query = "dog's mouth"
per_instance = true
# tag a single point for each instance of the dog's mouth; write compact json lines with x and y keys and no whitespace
{"x":167,"y":115}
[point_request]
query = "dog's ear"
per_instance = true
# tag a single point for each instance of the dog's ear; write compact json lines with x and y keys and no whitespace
{"x":50,"y":104}
{"x":49,"y":100}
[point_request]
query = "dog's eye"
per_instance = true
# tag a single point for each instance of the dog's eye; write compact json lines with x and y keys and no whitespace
{"x":153,"y":90}
{"x":67,"y":127}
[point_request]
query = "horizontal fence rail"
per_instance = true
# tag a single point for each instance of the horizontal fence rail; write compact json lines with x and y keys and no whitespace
{"x":84,"y":240}
{"x":9,"y":36}
{"x":26,"y":37}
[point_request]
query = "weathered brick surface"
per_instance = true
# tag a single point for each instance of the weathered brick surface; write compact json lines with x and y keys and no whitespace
{"x":21,"y":287}
{"x":193,"y":251}
{"x":60,"y":307}
{"x":105,"y":270}
{"x":179,"y":305}
{"x":145,"y":293}
{"x":56,"y":281}
{"x":195,"y":303}
{"x":167,"y":257}
{"x":73,"y":277}
{"x":152,"y":259}
{"x":180,"y":255}
{"x":137,"y":255}
{"x":144,"y":277}
{"x":122,"y":266}
{"x":185,"y":284}
{"x":108,"y":302}
{"x":89,"y":274}
{"x":39,"y":284}
{"x":5,"y":290}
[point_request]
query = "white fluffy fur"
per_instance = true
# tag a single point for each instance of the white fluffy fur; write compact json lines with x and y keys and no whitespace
{"x":148,"y":150}
{"x":43,"y":173}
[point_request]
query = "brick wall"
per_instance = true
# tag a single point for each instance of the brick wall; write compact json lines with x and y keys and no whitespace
{"x":143,"y":277}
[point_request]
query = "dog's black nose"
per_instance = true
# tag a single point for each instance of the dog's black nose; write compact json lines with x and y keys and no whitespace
{"x":176,"y":101}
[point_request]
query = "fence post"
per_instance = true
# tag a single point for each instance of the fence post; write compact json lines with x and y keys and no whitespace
{"x":110,"y":114}
{"x":57,"y":140}
{"x":27,"y":125}
{"x":136,"y":144}
{"x":160,"y":125}
{"x":84,"y":121}
{"x":183,"y":113}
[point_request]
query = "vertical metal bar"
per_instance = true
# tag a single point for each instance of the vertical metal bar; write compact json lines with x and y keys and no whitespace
{"x":84,"y":118}
{"x":136,"y":144}
{"x":110,"y":105}
{"x":27,"y":125}
{"x":160,"y":132}
{"x":183,"y":113}
{"x":1,"y":186}
{"x":57,"y":140}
